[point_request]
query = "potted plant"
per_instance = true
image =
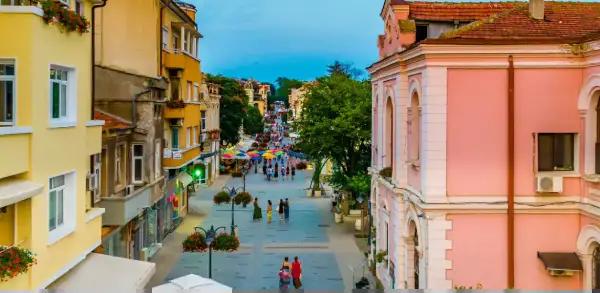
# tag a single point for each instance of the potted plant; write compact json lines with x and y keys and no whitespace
{"x":195,"y":242}
{"x":14,"y":261}
{"x":226,"y":242}
{"x":55,"y":12}
{"x":221,"y":197}
{"x":381,"y":256}
{"x":243,"y":198}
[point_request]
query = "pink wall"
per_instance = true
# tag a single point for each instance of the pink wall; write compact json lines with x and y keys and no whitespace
{"x":545,"y":101}
{"x":478,"y":252}
{"x":544,"y":233}
{"x":476,"y":132}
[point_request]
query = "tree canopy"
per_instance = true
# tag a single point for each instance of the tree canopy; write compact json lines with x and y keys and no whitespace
{"x":253,"y":122}
{"x":284,"y":88}
{"x":336,"y":125}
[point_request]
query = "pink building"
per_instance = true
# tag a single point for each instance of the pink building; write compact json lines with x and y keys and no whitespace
{"x":487,"y":116}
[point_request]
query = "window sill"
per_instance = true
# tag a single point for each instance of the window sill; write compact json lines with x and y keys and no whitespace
{"x":21,"y":10}
{"x":93,"y":123}
{"x":592,"y":178}
{"x":12,"y":130}
{"x":93,"y":214}
{"x":62,"y":124}
{"x":57,"y":235}
{"x":567,"y":174}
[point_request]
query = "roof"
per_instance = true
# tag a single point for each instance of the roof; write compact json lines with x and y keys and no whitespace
{"x":564,"y":22}
{"x":111,"y":121}
{"x":456,"y":11}
{"x":567,"y":261}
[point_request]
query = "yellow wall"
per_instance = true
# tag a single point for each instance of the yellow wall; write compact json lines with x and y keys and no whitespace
{"x":52,"y":151}
{"x":7,"y":225}
{"x":132,"y":40}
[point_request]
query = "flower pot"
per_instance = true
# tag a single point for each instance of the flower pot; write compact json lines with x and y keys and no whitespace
{"x":338,"y":218}
{"x":317,"y":193}
{"x":355,"y":212}
{"x":309,"y":193}
{"x":358,"y":224}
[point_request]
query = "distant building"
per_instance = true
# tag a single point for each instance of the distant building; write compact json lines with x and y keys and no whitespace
{"x":474,"y":105}
{"x":258,"y":94}
{"x":296,"y":102}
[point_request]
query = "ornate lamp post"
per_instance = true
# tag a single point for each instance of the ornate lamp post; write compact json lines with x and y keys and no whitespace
{"x":210,"y":236}
{"x":232,"y":191}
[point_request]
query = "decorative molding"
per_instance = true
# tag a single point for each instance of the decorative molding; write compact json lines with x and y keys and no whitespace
{"x":21,"y":10}
{"x":93,"y":123}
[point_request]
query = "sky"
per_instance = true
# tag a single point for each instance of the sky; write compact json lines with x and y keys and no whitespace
{"x":266,"y":39}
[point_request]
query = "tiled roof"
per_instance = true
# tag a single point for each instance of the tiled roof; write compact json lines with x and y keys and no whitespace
{"x":111,"y":121}
{"x":462,"y":12}
{"x":564,"y":22}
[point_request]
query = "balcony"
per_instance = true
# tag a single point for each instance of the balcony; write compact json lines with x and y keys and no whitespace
{"x":175,"y":110}
{"x":16,"y":146}
{"x":177,"y":158}
{"x":177,"y":59}
{"x":122,"y":209}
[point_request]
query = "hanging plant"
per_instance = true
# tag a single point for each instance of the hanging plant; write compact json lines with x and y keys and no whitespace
{"x":195,"y":242}
{"x":221,"y":197}
{"x":381,"y":256}
{"x":243,"y":198}
{"x":176,"y":104}
{"x":14,"y":261}
{"x":226,"y":242}
{"x":55,"y":12}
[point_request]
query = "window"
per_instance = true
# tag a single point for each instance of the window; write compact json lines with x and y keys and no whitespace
{"x":94,"y":180}
{"x":119,"y":166}
{"x":157,"y":160}
{"x":195,"y":93}
{"x":175,"y":138}
{"x":137,"y":162}
{"x":186,"y":42}
{"x":422,"y":32}
{"x":79,"y":7}
{"x":203,"y":120}
{"x":56,"y":202}
{"x":556,"y":152}
{"x":176,"y":44}
{"x":189,"y":91}
{"x":65,"y":2}
{"x":59,"y":93}
{"x":187,"y":137}
{"x":7,"y":93}
{"x":596,"y":268}
{"x":195,"y":135}
{"x":165,"y":38}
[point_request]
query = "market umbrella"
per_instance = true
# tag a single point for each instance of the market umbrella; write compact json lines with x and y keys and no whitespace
{"x":242,"y":156}
{"x":227,"y":156}
{"x":268,"y":156}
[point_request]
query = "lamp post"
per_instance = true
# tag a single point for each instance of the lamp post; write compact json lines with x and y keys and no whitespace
{"x":232,"y":191}
{"x":210,"y":236}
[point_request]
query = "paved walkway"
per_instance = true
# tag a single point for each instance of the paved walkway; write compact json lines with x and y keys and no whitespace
{"x":328,"y":251}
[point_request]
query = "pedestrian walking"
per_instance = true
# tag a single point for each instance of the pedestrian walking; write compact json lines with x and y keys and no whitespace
{"x":265,"y":168}
{"x":276,"y":172}
{"x":286,"y":263}
{"x":269,"y":211}
{"x":287,"y":170}
{"x":257,"y":215}
{"x":293,"y":171}
{"x":297,"y":273}
{"x":280,"y":208}
{"x":284,"y":279}
{"x":286,"y":209}
{"x":283,"y":172}
{"x":269,"y":171}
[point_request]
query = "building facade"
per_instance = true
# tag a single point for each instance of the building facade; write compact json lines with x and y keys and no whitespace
{"x":51,"y":144}
{"x":296,"y":102}
{"x":484,"y":145}
{"x":130,"y":97}
{"x":211,"y":133}
{"x":257,"y":93}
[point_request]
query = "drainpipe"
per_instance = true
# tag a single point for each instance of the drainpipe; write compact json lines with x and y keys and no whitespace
{"x":160,"y":21}
{"x":93,"y":25}
{"x":511,"y":174}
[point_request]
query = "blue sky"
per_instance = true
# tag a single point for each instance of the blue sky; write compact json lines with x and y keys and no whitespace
{"x":265,"y":39}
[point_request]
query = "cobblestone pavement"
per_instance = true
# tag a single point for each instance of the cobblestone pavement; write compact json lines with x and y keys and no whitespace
{"x":327,"y":251}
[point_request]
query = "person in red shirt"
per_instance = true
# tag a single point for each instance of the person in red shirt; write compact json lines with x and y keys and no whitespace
{"x":297,"y":273}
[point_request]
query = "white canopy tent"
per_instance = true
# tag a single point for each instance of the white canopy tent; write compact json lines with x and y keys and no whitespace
{"x":192,"y":284}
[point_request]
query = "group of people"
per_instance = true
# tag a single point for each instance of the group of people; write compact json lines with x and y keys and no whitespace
{"x":283,"y":209}
{"x":274,"y":171}
{"x":290,"y":273}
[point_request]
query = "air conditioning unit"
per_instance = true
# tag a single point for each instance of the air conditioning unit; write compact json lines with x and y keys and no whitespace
{"x":129,"y":189}
{"x":552,"y":184}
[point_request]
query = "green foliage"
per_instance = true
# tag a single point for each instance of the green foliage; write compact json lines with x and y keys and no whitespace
{"x":226,"y":242}
{"x":407,"y":25}
{"x":336,"y":125}
{"x":234,"y":103}
{"x":345,"y":69}
{"x":221,"y":197}
{"x":386,"y":172}
{"x":253,"y":122}
{"x":195,"y":242}
{"x":284,"y":89}
{"x":14,"y":261}
{"x":243,"y":198}
{"x":68,"y":19}
{"x":381,"y":256}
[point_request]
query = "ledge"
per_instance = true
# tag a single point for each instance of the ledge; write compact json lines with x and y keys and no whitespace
{"x":15,"y":130}
{"x":93,"y":123}
{"x":21,"y":10}
{"x":62,"y":124}
{"x":93,"y":214}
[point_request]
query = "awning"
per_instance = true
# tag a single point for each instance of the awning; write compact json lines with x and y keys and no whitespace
{"x":185,"y":178}
{"x":100,"y":273}
{"x":16,"y":190}
{"x":192,"y":284}
{"x":563,"y":261}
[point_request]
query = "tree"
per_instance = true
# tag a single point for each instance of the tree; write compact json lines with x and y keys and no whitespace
{"x":336,"y":125}
{"x":233,"y":107}
{"x":253,"y":122}
{"x":344,"y":69}
{"x":284,"y":89}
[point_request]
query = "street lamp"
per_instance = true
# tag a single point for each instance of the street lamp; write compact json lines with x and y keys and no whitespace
{"x":210,"y":236}
{"x":232,"y":191}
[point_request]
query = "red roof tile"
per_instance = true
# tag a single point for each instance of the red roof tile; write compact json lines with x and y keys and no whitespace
{"x":564,"y":22}
{"x":453,"y":11}
{"x":111,"y":121}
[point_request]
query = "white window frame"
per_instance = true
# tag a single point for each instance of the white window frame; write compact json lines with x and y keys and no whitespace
{"x":81,"y":9}
{"x":188,"y":132}
{"x":189,"y":91}
{"x":66,"y":2}
{"x":97,"y":171}
{"x":157,"y":159}
{"x":135,"y":158}
{"x":68,"y":207}
{"x":165,"y":37}
{"x":195,"y":136}
{"x":203,"y":121}
{"x":13,"y":79}
{"x":70,"y":103}
{"x":195,"y":92}
{"x":119,"y":163}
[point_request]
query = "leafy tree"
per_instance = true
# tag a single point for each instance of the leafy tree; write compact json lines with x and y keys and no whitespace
{"x":344,"y":69}
{"x":233,"y":107}
{"x":284,"y":89}
{"x":336,"y":125}
{"x":253,"y":122}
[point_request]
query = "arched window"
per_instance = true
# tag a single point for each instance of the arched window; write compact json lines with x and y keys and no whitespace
{"x":389,"y":134}
{"x":413,"y":259}
{"x":414,"y":130}
{"x":596,"y":268}
{"x":597,"y":142}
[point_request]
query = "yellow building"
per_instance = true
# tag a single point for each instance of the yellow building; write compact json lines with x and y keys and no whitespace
{"x":184,"y":113}
{"x":50,"y":145}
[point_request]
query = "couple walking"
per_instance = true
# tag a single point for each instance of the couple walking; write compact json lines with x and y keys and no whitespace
{"x":294,"y":271}
{"x":284,"y":209}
